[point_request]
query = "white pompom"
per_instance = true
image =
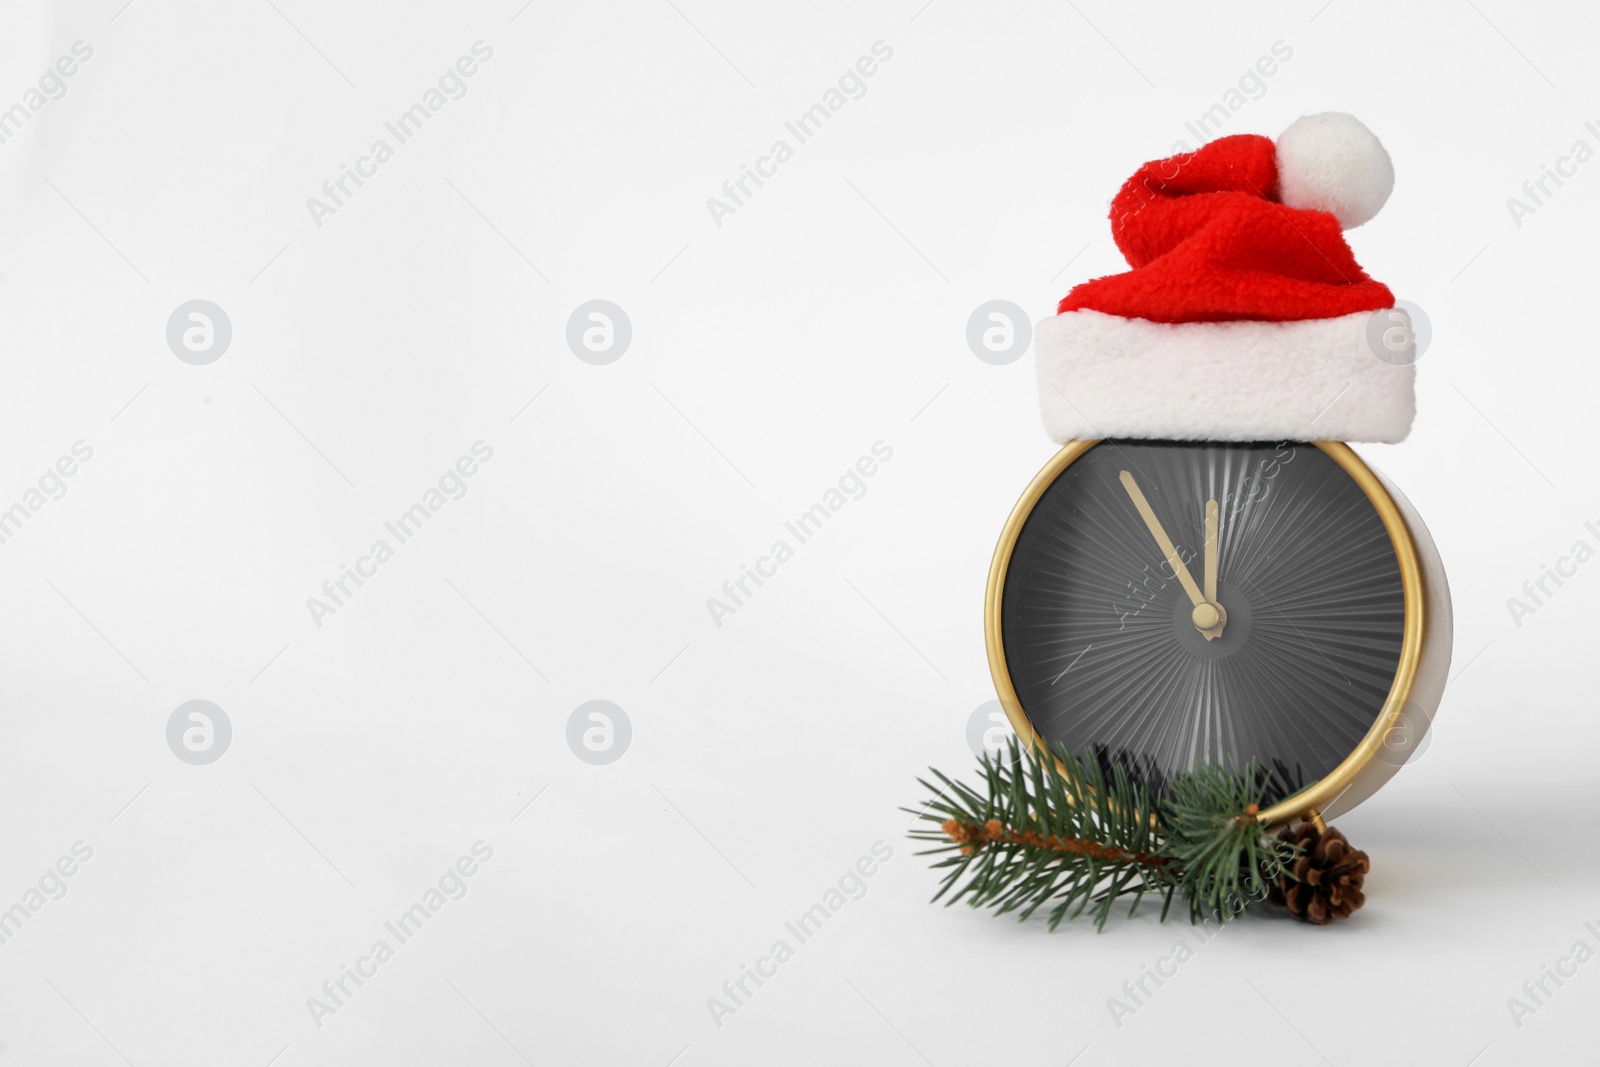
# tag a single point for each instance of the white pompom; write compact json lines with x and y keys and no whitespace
{"x":1331,"y":162}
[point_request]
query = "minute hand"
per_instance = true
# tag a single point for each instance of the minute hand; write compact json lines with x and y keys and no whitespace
{"x":1147,"y":513}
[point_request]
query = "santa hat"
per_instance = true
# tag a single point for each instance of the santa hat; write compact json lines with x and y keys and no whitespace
{"x":1245,"y":316}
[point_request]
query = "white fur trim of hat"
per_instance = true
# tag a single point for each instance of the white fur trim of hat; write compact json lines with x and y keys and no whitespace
{"x":1308,"y":380}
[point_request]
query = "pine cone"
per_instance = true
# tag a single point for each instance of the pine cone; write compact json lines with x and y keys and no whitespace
{"x":1326,"y":878}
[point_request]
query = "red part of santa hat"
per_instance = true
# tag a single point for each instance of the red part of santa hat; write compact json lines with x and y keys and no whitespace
{"x":1246,"y":315}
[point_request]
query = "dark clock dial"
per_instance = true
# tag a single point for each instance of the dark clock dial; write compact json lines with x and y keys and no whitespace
{"x":1123,"y":635}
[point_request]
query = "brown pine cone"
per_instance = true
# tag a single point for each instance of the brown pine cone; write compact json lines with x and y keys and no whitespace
{"x":1326,"y":878}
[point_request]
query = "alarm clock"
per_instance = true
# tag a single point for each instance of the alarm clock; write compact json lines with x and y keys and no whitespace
{"x":1164,"y":603}
{"x":1207,"y":573}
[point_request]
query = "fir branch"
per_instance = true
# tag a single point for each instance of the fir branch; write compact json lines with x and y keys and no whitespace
{"x":1214,"y":838}
{"x":1071,"y":836}
{"x":1075,"y":834}
{"x":972,"y":837}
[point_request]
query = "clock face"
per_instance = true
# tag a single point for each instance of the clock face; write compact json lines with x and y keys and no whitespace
{"x":1166,"y":603}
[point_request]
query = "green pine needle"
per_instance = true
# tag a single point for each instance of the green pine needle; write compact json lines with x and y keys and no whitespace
{"x":1214,"y":839}
{"x":1065,"y":833}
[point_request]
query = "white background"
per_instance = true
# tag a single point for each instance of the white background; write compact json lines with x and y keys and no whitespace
{"x":768,"y":354}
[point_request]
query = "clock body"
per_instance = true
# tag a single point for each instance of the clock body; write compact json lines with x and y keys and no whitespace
{"x":1160,"y":604}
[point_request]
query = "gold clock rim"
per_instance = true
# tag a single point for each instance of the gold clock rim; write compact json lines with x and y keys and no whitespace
{"x":1315,"y":798}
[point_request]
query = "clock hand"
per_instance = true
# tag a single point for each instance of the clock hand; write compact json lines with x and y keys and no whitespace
{"x":1211,"y":551}
{"x":1164,"y":542}
{"x":1214,"y":618}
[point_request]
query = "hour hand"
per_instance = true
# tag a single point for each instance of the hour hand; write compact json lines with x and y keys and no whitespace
{"x":1211,"y":621}
{"x":1211,"y":551}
